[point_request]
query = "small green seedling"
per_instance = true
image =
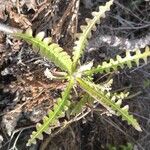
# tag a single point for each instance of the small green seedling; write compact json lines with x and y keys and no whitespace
{"x":80,"y":76}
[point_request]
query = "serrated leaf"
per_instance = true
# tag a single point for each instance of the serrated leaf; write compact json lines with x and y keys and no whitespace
{"x":106,"y":101}
{"x":86,"y":31}
{"x":121,"y":62}
{"x":52,"y":52}
{"x":53,"y":116}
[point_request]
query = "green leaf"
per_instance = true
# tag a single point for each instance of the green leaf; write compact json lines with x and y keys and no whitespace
{"x":51,"y":51}
{"x":121,"y":62}
{"x":86,"y":31}
{"x":52,"y":119}
{"x":110,"y":103}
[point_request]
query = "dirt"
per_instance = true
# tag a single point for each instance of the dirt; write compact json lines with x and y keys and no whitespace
{"x":26,"y":94}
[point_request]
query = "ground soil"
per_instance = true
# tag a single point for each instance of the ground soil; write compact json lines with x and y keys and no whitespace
{"x":26,"y":94}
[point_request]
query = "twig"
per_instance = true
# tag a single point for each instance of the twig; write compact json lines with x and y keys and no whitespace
{"x":8,"y":29}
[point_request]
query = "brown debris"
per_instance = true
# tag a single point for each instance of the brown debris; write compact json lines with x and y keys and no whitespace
{"x":20,"y":19}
